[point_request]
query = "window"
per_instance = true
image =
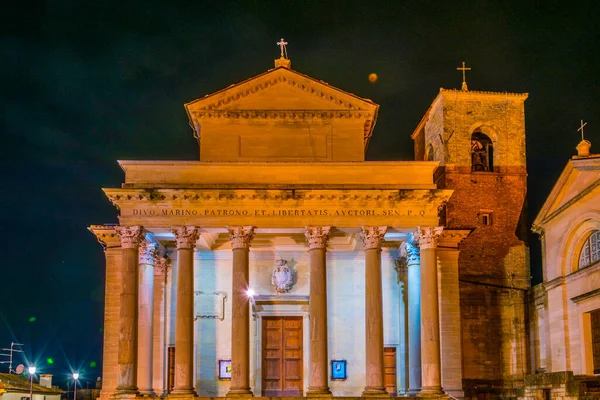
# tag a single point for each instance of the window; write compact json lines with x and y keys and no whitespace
{"x":482,"y":153}
{"x":590,"y":251}
{"x":485,"y":217}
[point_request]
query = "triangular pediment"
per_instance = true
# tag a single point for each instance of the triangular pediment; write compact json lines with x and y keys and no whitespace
{"x":579,"y":177}
{"x":281,"y":89}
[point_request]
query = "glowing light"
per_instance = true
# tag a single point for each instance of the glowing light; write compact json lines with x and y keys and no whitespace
{"x":75,"y":375}
{"x":31,"y":370}
{"x":93,"y":364}
{"x":373,"y":77}
{"x":50,"y":360}
{"x":31,"y":319}
{"x":250,"y":292}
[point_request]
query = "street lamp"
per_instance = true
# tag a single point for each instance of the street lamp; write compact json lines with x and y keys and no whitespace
{"x":31,"y":373}
{"x":75,"y":377}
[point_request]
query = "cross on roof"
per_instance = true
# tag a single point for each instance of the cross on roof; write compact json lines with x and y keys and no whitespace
{"x":464,"y":69}
{"x":581,"y":129}
{"x":282,"y":43}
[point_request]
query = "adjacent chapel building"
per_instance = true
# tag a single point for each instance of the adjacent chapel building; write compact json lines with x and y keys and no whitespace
{"x":282,"y":264}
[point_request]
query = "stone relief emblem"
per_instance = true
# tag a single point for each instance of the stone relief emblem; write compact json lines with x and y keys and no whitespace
{"x":282,"y":278}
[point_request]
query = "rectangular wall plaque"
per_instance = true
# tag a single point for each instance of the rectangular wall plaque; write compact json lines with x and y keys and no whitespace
{"x":338,"y":370}
{"x":210,"y":304}
{"x":224,"y":369}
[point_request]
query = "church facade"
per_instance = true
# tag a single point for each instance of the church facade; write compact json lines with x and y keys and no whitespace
{"x":565,"y":307}
{"x":282,"y":264}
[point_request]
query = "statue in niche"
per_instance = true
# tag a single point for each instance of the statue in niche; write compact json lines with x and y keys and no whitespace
{"x":282,"y":278}
{"x":478,"y":156}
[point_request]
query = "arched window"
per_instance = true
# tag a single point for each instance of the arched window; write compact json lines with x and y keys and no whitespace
{"x":482,"y":152}
{"x":590,"y":251}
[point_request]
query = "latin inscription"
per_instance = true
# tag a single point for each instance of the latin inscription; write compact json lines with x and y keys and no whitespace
{"x":184,"y":212}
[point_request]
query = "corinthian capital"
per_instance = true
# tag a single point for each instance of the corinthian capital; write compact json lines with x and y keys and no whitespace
{"x":372,"y":236}
{"x":240,"y":236}
{"x":317,"y":236}
{"x":411,"y":252}
{"x":186,"y":236}
{"x":161,"y":265}
{"x":428,"y":236}
{"x":147,"y":253}
{"x":131,"y":236}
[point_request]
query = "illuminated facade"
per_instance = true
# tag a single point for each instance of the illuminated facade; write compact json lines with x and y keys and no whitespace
{"x":284,"y":264}
{"x":565,"y":307}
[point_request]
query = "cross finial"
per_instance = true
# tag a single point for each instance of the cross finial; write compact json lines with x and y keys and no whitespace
{"x":282,"y":43}
{"x":464,"y":69}
{"x":581,"y":129}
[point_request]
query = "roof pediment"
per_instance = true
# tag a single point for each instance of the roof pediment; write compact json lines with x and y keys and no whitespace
{"x":281,"y":89}
{"x":282,"y":93}
{"x":580,"y":176}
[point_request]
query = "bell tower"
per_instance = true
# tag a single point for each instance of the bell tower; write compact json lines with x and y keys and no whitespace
{"x":479,"y":139}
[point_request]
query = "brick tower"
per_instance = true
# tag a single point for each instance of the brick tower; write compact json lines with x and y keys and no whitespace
{"x":479,"y":138}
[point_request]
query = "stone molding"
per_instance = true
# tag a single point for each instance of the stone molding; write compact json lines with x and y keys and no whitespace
{"x":106,"y":236}
{"x":317,"y":236}
{"x":264,"y":84}
{"x":284,"y":115}
{"x":186,"y":236}
{"x":240,"y":236}
{"x":228,"y":195}
{"x":147,"y":253}
{"x":373,"y":236}
{"x":161,"y":266}
{"x":428,"y":236}
{"x":131,"y":236}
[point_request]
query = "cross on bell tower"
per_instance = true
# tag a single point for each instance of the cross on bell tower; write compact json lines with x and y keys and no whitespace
{"x":464,"y":69}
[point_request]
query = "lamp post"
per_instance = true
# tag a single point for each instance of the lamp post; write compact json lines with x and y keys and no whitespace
{"x":31,"y":373}
{"x":75,"y":377}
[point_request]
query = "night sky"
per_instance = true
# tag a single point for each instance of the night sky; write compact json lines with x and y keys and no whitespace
{"x":85,"y":83}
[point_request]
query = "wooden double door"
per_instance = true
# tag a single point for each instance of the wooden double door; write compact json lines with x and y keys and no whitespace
{"x":282,"y":363}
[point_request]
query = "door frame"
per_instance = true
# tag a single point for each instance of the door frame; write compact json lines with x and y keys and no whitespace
{"x":278,"y":306}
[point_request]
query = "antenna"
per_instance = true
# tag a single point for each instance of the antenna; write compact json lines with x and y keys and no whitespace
{"x":10,"y":353}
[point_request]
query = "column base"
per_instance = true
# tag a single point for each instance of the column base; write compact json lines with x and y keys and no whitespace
{"x":413,"y":392}
{"x":121,"y":394}
{"x":319,"y":392}
{"x":239,"y":393}
{"x":374,"y":391}
{"x":147,"y":393}
{"x":432,"y":392}
{"x":183,"y":393}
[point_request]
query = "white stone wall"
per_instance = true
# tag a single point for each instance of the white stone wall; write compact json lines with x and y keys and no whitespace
{"x":346,"y":313}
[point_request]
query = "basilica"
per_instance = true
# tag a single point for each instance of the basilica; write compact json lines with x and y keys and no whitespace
{"x":280,"y":263}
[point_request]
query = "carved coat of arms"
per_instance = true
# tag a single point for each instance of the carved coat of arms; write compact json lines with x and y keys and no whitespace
{"x":282,"y":277}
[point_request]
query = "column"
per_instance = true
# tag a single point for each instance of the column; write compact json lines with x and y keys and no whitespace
{"x":430,"y":322}
{"x":413,"y":260}
{"x":161,"y":271}
{"x":240,"y":236}
{"x":372,"y":237}
{"x":147,"y":253}
{"x":186,"y":237}
{"x":131,"y":237}
{"x":317,"y":237}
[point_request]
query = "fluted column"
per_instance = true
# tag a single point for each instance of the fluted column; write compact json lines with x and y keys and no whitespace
{"x":372,"y":237}
{"x":147,"y":253}
{"x":162,"y":266}
{"x":413,"y":260}
{"x":241,"y":236}
{"x":317,"y":237}
{"x":186,"y":237}
{"x":131,"y":237}
{"x":431,"y":377}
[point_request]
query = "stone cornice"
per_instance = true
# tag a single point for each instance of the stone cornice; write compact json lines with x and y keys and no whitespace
{"x":293,"y":115}
{"x":587,"y":295}
{"x":317,"y":236}
{"x":106,"y":236}
{"x":198,"y":195}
